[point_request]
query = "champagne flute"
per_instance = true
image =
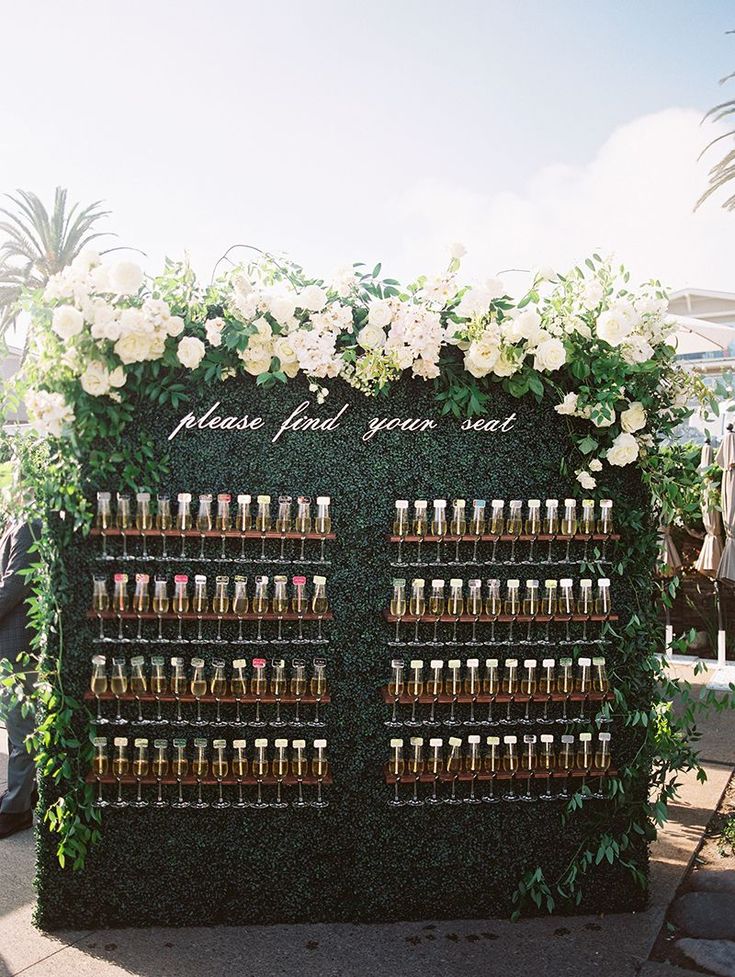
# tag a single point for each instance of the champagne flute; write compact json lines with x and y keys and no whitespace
{"x":178,"y":687}
{"x":510,"y":765}
{"x":566,"y":605}
{"x":261,"y":604}
{"x":200,"y":603}
{"x":141,"y":766}
{"x":123,"y":521}
{"x":160,"y":604}
{"x":218,"y":688}
{"x":240,"y":604}
{"x":398,"y":606}
{"x":244,"y":522}
{"x":565,"y":684}
{"x":263,"y":520}
{"x":297,"y":687}
{"x":223,"y":521}
{"x":458,"y":525}
{"x":549,"y":607}
{"x":397,"y":766}
{"x":181,"y":603}
{"x":240,"y":768}
{"x":319,"y":605}
{"x":439,"y":527}
{"x":160,"y":769}
{"x":100,"y":602}
{"x":547,"y":685}
{"x":510,"y":686}
{"x":400,"y":528}
{"x":299,"y":769}
{"x":280,"y":604}
{"x":533,"y":525}
{"x":395,"y":689}
{"x":299,"y":605}
{"x":200,"y":769}
{"x":529,"y":764}
{"x":416,"y":767}
{"x":184,"y":519}
{"x":319,"y":768}
{"x":565,"y":762}
{"x":587,"y":524}
{"x":280,"y":769}
{"x":603,"y":603}
{"x":220,"y":602}
{"x":477,"y":526}
{"x":601,"y":685}
{"x":435,"y":687}
{"x":180,"y":770}
{"x":528,"y":687}
{"x":531,"y":605}
{"x":491,"y":763}
{"x":454,"y":767}
{"x":303,"y":521}
{"x":420,"y":526}
{"x":497,"y":525}
{"x":323,"y":522}
{"x":605,"y":524}
{"x":278,"y":687}
{"x":551,"y":523}
{"x":120,"y":601}
{"x":141,"y":603}
{"x":220,"y":769}
{"x":453,"y":688}
{"x":100,"y":766}
{"x":490,"y":686}
{"x":547,"y":762}
{"x":318,"y":687}
{"x":584,"y":757}
{"x":261,"y":766}
{"x":602,"y":761}
{"x":415,"y":688}
{"x":119,"y":686}
{"x":103,"y":519}
{"x":436,"y":609}
{"x":514,"y":526}
{"x":512,"y":606}
{"x":569,"y":524}
{"x":455,"y":606}
{"x":436,"y":767}
{"x":120,"y":768}
{"x":585,"y":604}
{"x":138,"y":685}
{"x":417,"y":606}
{"x":164,"y":521}
{"x":474,"y":607}
{"x":204,"y":521}
{"x":472,"y":687}
{"x":98,"y":685}
{"x":143,"y":519}
{"x":258,"y":688}
{"x":583,"y":685}
{"x":493,"y":606}
{"x":158,"y":686}
{"x":283,"y":523}
{"x":238,"y":686}
{"x":198,"y":688}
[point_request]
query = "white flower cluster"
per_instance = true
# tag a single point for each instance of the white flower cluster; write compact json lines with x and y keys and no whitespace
{"x":48,"y":412}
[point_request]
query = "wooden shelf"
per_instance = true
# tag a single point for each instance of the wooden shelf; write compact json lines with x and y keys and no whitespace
{"x":465,"y":776}
{"x":209,"y":616}
{"x":464,"y":698}
{"x":209,"y":781}
{"x":245,"y":700}
{"x":209,"y":534}
{"x":500,"y":619}
{"x":506,"y":538}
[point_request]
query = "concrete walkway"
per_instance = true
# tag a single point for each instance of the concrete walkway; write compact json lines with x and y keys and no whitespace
{"x":612,"y":946}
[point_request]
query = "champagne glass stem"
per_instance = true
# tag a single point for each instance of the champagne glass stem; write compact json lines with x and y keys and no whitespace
{"x":396,"y":799}
{"x":398,"y":626}
{"x":219,"y":629}
{"x":418,"y":552}
{"x":400,"y":551}
{"x":321,"y":549}
{"x":262,"y":546}
{"x":239,"y":631}
{"x":259,"y":635}
{"x":218,"y":719}
{"x":102,"y":628}
{"x":99,"y":792}
{"x":138,"y":797}
{"x":119,"y":791}
{"x":118,"y":717}
{"x":415,"y":790}
{"x":319,"y":629}
{"x":243,"y":541}
{"x":201,"y":547}
{"x":280,"y":629}
{"x":160,"y":627}
{"x":317,"y":721}
{"x":319,"y":792}
{"x":159,"y":798}
{"x":301,"y":551}
{"x":99,"y":708}
{"x":281,"y":553}
{"x":223,"y":552}
{"x":164,"y":553}
{"x":140,"y":709}
{"x":301,"y":792}
{"x":199,"y":712}
{"x":119,"y":627}
{"x":125,"y":546}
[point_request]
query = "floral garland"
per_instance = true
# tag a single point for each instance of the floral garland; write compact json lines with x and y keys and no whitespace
{"x":602,"y":351}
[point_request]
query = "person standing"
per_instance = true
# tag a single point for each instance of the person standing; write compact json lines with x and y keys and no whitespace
{"x":16,"y":804}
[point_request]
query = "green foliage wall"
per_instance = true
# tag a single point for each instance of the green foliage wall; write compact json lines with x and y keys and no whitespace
{"x":358,"y":859}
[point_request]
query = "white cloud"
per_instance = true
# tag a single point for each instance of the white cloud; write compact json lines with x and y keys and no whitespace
{"x":635,"y":200}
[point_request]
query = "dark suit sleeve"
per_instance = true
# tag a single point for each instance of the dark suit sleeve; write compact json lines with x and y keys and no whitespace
{"x":13,"y":587}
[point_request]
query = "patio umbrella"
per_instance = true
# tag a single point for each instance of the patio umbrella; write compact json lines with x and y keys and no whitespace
{"x":708,"y":560}
{"x":726,"y":569}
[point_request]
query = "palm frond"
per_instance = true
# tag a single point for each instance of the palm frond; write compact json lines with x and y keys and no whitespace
{"x":723,"y":172}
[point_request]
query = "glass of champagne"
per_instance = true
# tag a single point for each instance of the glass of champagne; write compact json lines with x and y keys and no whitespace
{"x":200,"y":769}
{"x":472,"y":687}
{"x":493,"y":606}
{"x":514,"y":525}
{"x":601,"y":685}
{"x":585,"y":757}
{"x":398,"y":607}
{"x":323,"y":522}
{"x":299,"y":769}
{"x":319,"y":768}
{"x":120,"y":601}
{"x":455,"y":606}
{"x":164,"y":521}
{"x":141,"y":603}
{"x":220,"y":769}
{"x":473,"y":765}
{"x":395,"y":689}
{"x":160,"y":769}
{"x":528,"y":687}
{"x":529,"y":764}
{"x":100,"y":766}
{"x":141,"y":766}
{"x":238,"y":686}
{"x":180,"y":771}
{"x":551,"y":523}
{"x":100,"y":602}
{"x":566,"y":605}
{"x":603,"y":604}
{"x":477,"y":525}
{"x":397,"y":767}
{"x":400,"y":527}
{"x":435,"y":687}
{"x":436,"y":767}
{"x":138,"y":685}
{"x":299,"y":605}
{"x":565,"y":761}
{"x":204,"y":521}
{"x":605,"y":524}
{"x":439,"y":526}
{"x":602,"y":761}
{"x":297,"y":687}
{"x":319,"y":605}
{"x":491,"y":763}
{"x":417,"y":606}
{"x":158,"y":686}
{"x":531,"y":605}
{"x":280,"y":603}
{"x":178,"y":686}
{"x":318,"y":688}
{"x":569,"y":524}
{"x":533,"y":525}
{"x":565,"y":684}
{"x":547,"y":762}
{"x":263,"y":520}
{"x":240,"y":767}
{"x":220,"y":602}
{"x":184,"y":519}
{"x":303,"y":521}
{"x":258,"y":688}
{"x":547,"y":686}
{"x":549,"y":607}
{"x":453,"y":688}
{"x":143,"y":519}
{"x":436,"y":609}
{"x":512,"y":606}
{"x":198,"y":688}
{"x":420,"y":526}
{"x":240,"y":604}
{"x":98,"y":685}
{"x":200,"y":603}
{"x":474,"y":607}
{"x":458,"y":525}
{"x":278,"y":687}
{"x":416,"y":767}
{"x":261,"y":605}
{"x":510,"y":765}
{"x":119,"y":686}
{"x":283,"y":523}
{"x":510,"y":686}
{"x":261,"y":767}
{"x":120,"y":768}
{"x":587,"y":523}
{"x":415,"y":688}
{"x":123,"y":521}
{"x":103,"y":519}
{"x":454,"y":767}
{"x":583,"y":685}
{"x":244,"y":522}
{"x":585,"y":604}
{"x":223,"y":521}
{"x":280,"y":770}
{"x":181,"y":603}
{"x":160,"y":603}
{"x":218,"y":688}
{"x":490,"y":686}
{"x":497,"y":525}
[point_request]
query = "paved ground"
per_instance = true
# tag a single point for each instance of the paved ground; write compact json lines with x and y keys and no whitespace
{"x":612,"y":946}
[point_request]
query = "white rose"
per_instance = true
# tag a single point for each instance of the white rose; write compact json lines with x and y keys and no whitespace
{"x":595,"y":465}
{"x":134,"y":347}
{"x":263,"y":327}
{"x":613,"y":326}
{"x":586,"y":480}
{"x":380,"y":313}
{"x":48,"y":412}
{"x":86,"y":260}
{"x":568,"y":405}
{"x":506,"y":364}
{"x":67,"y":322}
{"x":592,"y":295}
{"x":106,"y":322}
{"x":550,"y":355}
{"x":525,"y":325}
{"x":481,"y":356}
{"x":286,"y":355}
{"x":257,"y":357}
{"x":426,"y":369}
{"x":99,"y":279}
{"x":495,"y":288}
{"x":117,"y":377}
{"x":457,"y":250}
{"x":95,"y":380}
{"x":156,"y":347}
{"x":371,"y":337}
{"x":634,"y":418}
{"x":125,"y":278}
{"x":313,"y":298}
{"x":623,"y":451}
{"x":191,"y":352}
{"x":213,"y":329}
{"x":133,"y":320}
{"x":474,"y":303}
{"x":545,"y":273}
{"x":282,"y":308}
{"x":174,"y":325}
{"x":636,"y":349}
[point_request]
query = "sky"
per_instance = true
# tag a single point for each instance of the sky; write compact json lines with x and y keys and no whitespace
{"x":532,"y":132}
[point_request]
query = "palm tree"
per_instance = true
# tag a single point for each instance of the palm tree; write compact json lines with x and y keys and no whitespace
{"x":724,"y":170}
{"x":37,"y":244}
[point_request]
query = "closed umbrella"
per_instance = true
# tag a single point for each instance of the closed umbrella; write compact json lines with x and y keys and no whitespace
{"x":708,"y":560}
{"x":669,"y":562}
{"x":726,"y":569}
